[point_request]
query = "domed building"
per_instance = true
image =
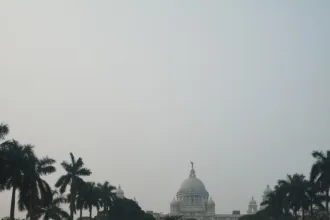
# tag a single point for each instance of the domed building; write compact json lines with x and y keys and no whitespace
{"x":266,"y":192}
{"x":193,"y":201}
{"x":253,"y":207}
{"x":120,"y":193}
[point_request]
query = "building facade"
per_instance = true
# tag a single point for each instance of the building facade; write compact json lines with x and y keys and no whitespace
{"x":194,"y":202}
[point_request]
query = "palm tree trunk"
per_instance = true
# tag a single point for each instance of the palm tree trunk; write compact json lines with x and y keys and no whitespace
{"x":90,"y":212}
{"x":303,"y":214}
{"x":12,"y":205}
{"x":73,"y":196}
{"x":81,"y":213}
{"x":327,"y":202}
{"x":312,"y":213}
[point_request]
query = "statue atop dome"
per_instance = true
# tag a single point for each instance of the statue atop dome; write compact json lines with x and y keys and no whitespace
{"x":192,"y":171}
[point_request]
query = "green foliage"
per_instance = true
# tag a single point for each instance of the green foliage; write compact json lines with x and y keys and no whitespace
{"x":292,"y":198}
{"x":107,"y":195}
{"x":297,"y":197}
{"x":127,"y":209}
{"x":172,"y":217}
{"x":4,"y":130}
{"x":74,"y":172}
{"x":51,"y":209}
{"x":23,"y":172}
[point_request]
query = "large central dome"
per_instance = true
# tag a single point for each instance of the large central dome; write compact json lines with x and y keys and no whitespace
{"x":192,"y":186}
{"x":192,"y":199}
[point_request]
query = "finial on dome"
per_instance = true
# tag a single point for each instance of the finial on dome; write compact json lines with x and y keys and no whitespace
{"x":192,"y":171}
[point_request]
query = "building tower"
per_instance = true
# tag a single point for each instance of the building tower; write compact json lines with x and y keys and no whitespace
{"x":267,"y":191}
{"x":119,"y":193}
{"x":253,"y":207}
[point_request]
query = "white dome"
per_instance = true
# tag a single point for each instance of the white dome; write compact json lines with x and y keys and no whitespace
{"x":192,"y":185}
{"x":267,"y":190}
{"x":211,"y":202}
{"x":119,"y":192}
{"x":253,"y":202}
{"x":192,"y":198}
{"x":174,"y":202}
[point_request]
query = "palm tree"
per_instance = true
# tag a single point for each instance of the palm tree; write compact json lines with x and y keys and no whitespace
{"x":296,"y":192}
{"x":106,"y":196}
{"x":276,"y":202}
{"x":74,"y":172}
{"x":15,"y":160}
{"x":4,"y":130}
{"x":80,"y":198}
{"x":320,"y":174}
{"x":51,"y":209}
{"x":92,"y":195}
{"x":35,"y":190}
{"x":314,"y":198}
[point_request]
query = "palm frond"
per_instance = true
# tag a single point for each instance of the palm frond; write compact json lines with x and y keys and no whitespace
{"x":63,"y":182}
{"x":73,"y":161}
{"x":46,"y":161}
{"x":319,"y":155}
{"x":84,"y":172}
{"x":79,"y":164}
{"x":64,"y":214}
{"x":315,"y":171}
{"x":60,"y":181}
{"x":57,"y":201}
{"x":4,"y":130}
{"x":46,"y":170}
{"x":66,"y":166}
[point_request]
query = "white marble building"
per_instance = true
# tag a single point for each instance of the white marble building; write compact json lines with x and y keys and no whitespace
{"x":120,"y":193}
{"x":265,"y":194}
{"x":194,"y":202}
{"x":253,"y":207}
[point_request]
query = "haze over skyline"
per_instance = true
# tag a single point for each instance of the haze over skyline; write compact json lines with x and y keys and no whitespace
{"x":139,"y":89}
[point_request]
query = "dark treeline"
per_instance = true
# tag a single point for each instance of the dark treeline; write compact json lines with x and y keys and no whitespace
{"x":298,"y":196}
{"x":22,"y":172}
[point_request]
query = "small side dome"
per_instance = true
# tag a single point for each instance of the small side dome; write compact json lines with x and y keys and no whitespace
{"x":174,"y":202}
{"x":267,"y":190}
{"x":211,"y":202}
{"x":119,"y":193}
{"x":253,"y":202}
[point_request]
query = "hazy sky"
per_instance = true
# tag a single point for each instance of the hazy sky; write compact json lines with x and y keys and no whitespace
{"x":140,"y":88}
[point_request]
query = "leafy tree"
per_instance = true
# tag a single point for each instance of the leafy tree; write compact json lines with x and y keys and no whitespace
{"x":74,"y":172}
{"x":126,"y":209}
{"x":172,"y":217}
